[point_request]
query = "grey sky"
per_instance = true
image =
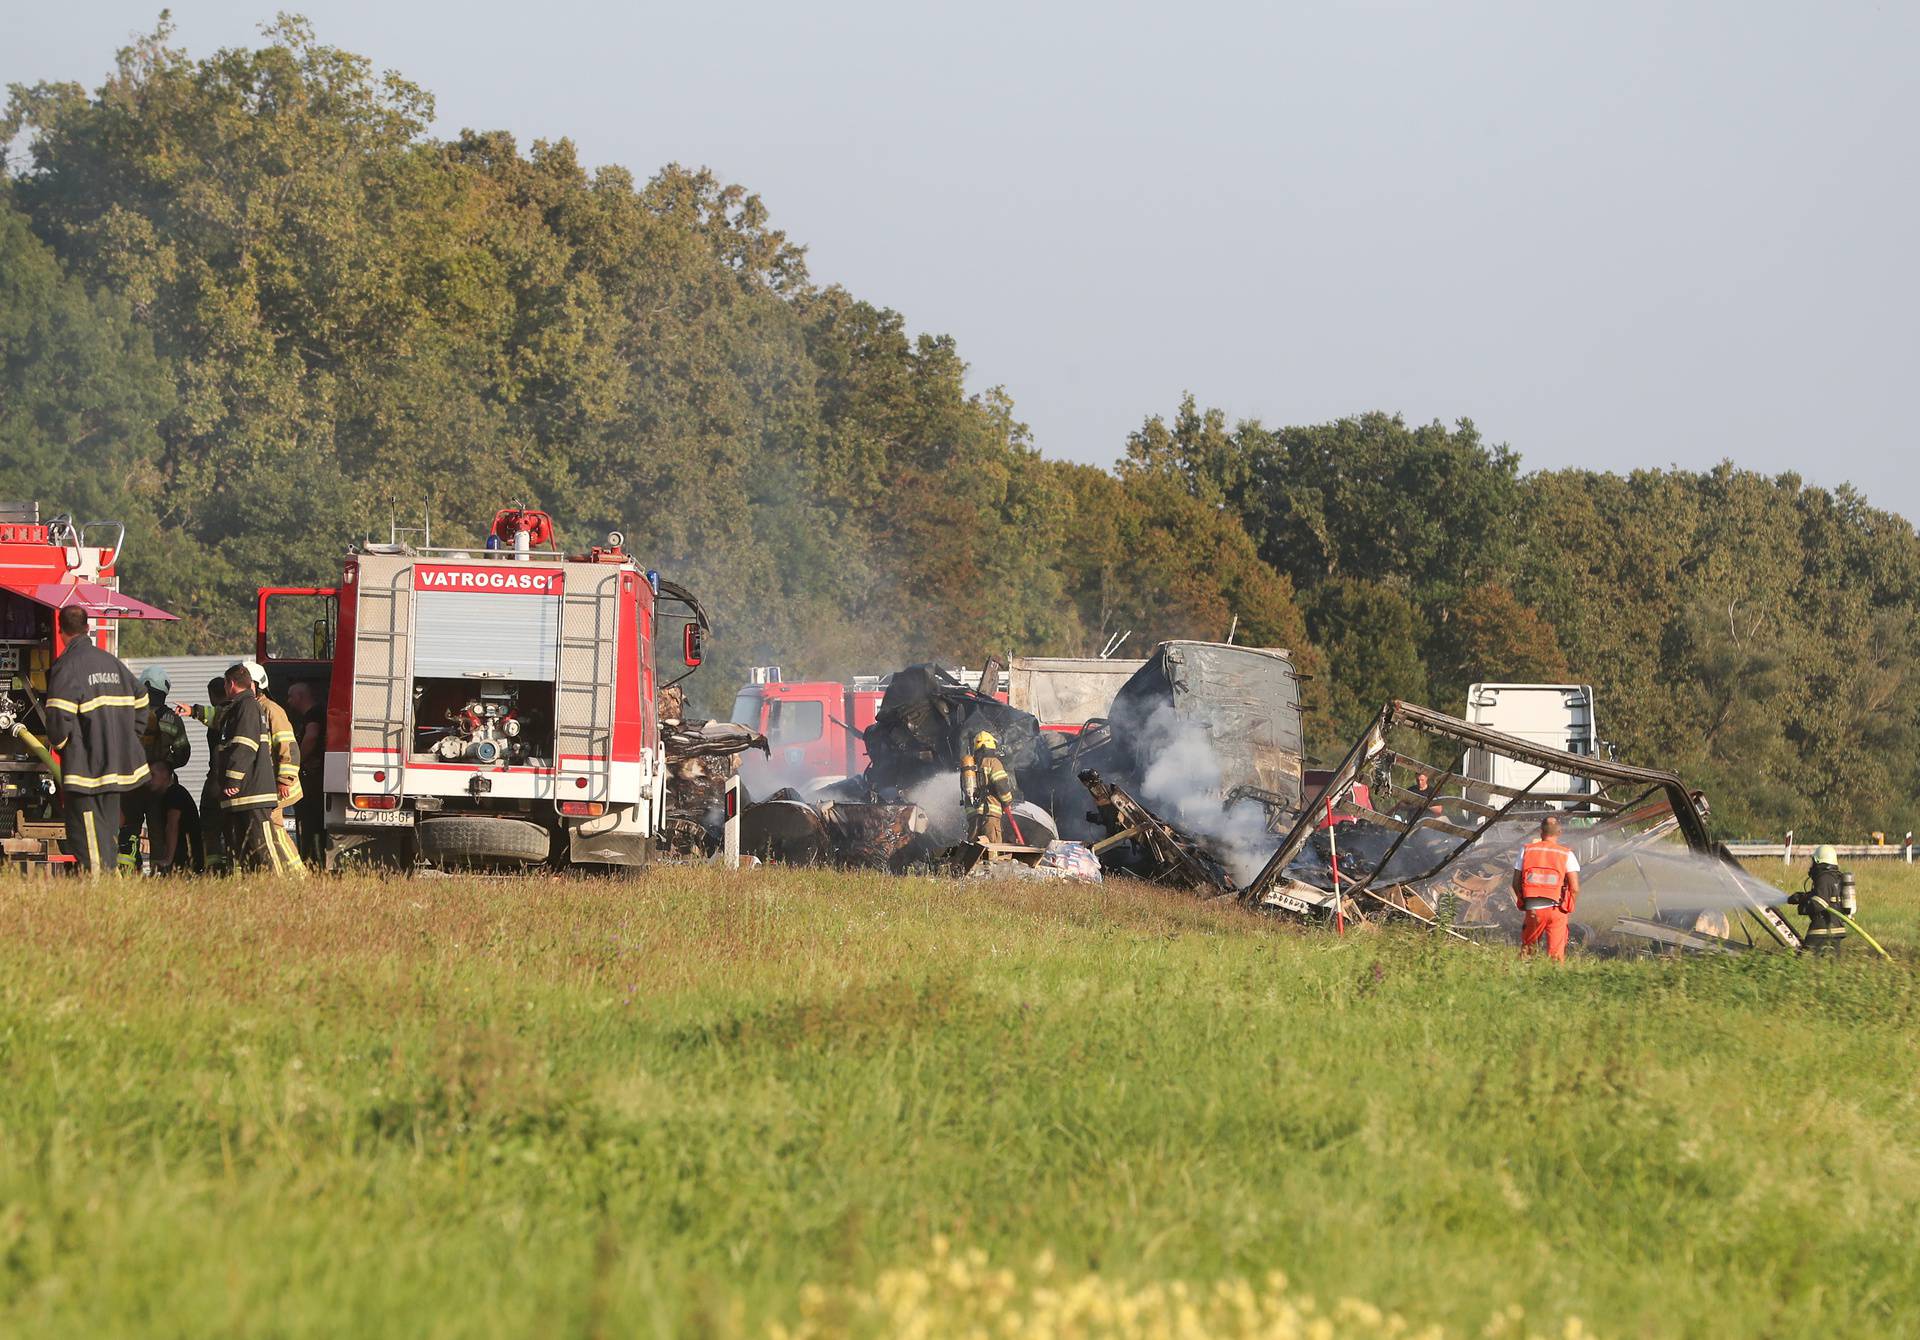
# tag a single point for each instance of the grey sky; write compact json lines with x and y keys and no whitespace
{"x":1613,"y":234}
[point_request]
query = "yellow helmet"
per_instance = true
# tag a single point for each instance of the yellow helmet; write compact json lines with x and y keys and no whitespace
{"x":1824,"y":854}
{"x":985,"y":740}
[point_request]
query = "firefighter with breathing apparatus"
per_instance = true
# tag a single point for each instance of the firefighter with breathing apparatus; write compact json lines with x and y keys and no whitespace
{"x":987,"y":788}
{"x":1829,"y":890}
{"x":286,"y":768}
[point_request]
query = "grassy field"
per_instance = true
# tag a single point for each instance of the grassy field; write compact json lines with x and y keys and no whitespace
{"x":700,"y":1105}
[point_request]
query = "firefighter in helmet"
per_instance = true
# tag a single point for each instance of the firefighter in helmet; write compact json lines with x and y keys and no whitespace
{"x":987,"y":787}
{"x":249,"y":786}
{"x":1829,"y":890}
{"x":286,"y":769}
{"x":163,"y":735}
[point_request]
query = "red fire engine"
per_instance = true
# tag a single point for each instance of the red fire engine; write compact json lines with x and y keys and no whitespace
{"x":44,"y":567}
{"x":486,"y":708}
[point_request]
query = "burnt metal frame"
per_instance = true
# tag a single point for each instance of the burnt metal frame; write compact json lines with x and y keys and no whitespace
{"x":1365,"y":887}
{"x":1372,"y":743}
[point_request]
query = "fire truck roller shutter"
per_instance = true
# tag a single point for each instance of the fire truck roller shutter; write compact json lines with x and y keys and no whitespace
{"x":461,"y":633}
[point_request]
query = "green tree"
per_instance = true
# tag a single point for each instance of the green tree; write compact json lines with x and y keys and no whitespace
{"x":80,"y":389}
{"x":1369,"y":636}
{"x":1492,"y":638}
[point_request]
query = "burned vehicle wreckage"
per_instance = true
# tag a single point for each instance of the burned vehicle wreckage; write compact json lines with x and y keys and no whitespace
{"x":1194,"y":720}
{"x":1195,"y":779}
{"x":1392,"y":834}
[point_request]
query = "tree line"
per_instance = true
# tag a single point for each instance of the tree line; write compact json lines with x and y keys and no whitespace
{"x":251,"y":306}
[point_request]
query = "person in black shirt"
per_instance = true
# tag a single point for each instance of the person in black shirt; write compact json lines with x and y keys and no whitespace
{"x":173,"y":825}
{"x":213,"y":825}
{"x":310,"y":726}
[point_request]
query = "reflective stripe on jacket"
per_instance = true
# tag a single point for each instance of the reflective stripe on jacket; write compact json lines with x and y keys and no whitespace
{"x":94,"y":707}
{"x":246,"y":758}
{"x":1543,"y":872}
{"x":994,"y":781}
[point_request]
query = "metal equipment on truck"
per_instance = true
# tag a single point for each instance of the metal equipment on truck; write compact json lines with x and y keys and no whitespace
{"x":44,"y":567}
{"x":494,"y":708}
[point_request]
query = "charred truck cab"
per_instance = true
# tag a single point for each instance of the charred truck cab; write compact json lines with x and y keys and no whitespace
{"x":497,"y":709}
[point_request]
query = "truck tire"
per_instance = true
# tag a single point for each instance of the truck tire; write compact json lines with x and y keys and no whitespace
{"x":476,"y":840}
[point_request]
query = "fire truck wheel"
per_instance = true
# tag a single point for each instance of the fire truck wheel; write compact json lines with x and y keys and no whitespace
{"x":465,"y":839}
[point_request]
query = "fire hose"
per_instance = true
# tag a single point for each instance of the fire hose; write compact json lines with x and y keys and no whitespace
{"x":1013,"y":823}
{"x":1851,"y":922}
{"x":37,"y":747}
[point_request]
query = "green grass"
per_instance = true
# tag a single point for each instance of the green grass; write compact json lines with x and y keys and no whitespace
{"x":669,"y":1107}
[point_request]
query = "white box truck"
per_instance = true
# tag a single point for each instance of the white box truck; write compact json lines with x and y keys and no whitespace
{"x":1559,"y":716}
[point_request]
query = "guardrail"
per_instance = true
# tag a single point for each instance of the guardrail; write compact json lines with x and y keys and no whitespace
{"x":1851,"y":851}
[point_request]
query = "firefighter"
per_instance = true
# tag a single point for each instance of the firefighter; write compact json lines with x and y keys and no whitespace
{"x":213,"y":823}
{"x":286,"y":767}
{"x":987,"y":787}
{"x":1827,"y":889}
{"x":93,"y":709}
{"x":249,"y":793}
{"x":1546,"y":884}
{"x":163,"y":736}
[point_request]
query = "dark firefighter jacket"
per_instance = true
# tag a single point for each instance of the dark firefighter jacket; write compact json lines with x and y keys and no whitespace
{"x":246,"y":757}
{"x":94,"y":709}
{"x":164,"y":736}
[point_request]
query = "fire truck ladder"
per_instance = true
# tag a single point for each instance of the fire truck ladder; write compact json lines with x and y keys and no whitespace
{"x":583,"y":678}
{"x":382,"y":706}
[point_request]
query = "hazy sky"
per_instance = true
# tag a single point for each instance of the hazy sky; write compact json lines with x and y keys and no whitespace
{"x":1613,"y":234}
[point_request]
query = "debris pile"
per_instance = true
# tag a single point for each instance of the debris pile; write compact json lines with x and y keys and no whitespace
{"x":701,"y":756}
{"x":1196,"y":781}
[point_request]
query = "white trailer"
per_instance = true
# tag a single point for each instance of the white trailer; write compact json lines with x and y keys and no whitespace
{"x":1559,"y":716}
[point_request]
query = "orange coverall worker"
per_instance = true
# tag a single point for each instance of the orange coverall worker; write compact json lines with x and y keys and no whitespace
{"x":1548,"y":876}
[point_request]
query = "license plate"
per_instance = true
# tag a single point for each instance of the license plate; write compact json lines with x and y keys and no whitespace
{"x":380,"y":818}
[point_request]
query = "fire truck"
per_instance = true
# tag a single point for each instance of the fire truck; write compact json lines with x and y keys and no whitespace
{"x":44,"y":567}
{"x":489,"y":708}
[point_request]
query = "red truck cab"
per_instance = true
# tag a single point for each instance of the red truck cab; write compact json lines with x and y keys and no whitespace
{"x":814,"y":729}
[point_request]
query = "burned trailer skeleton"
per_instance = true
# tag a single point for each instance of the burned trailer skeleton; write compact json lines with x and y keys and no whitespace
{"x":1446,"y":859}
{"x":1207,"y":719}
{"x":1166,"y":855}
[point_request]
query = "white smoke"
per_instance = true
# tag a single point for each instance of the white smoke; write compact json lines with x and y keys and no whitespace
{"x":1182,"y":784}
{"x":946,"y":810}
